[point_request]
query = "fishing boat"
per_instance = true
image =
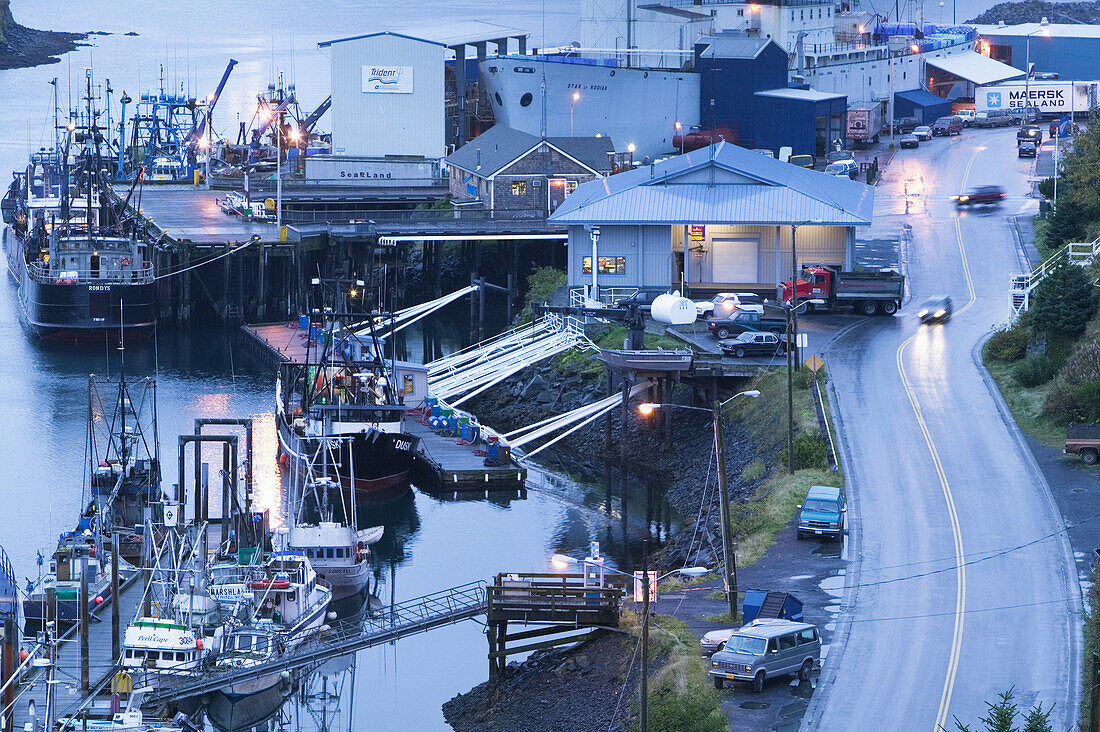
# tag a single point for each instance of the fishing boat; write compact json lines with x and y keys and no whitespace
{"x":61,"y":584}
{"x":340,"y":416}
{"x":82,"y":268}
{"x":129,"y":719}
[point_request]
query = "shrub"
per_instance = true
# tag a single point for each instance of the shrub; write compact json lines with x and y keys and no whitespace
{"x":1008,"y":345}
{"x":1087,"y":398}
{"x":1046,"y":188}
{"x":1032,"y":372}
{"x":1084,"y":363}
{"x":1060,"y":403}
{"x":540,"y":286}
{"x":753,"y":472}
{"x":811,"y":450}
{"x":1064,"y":301}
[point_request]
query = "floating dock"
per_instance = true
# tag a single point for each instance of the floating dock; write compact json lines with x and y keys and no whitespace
{"x":445,"y":465}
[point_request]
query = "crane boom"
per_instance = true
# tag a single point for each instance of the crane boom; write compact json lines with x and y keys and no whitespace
{"x":198,"y":133}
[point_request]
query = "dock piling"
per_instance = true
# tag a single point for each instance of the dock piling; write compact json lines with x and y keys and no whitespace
{"x":9,"y":671}
{"x":85,"y":682}
{"x":116,"y":638}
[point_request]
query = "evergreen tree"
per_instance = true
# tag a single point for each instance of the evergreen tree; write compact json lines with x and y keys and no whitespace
{"x":1063,"y":301}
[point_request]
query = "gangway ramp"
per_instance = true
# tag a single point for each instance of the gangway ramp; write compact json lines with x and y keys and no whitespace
{"x":390,"y":623}
{"x":468,"y":373}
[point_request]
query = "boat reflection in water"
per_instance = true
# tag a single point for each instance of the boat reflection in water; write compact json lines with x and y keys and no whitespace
{"x":326,"y":697}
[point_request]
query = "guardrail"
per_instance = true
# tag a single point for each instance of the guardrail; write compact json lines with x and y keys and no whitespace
{"x":553,"y":597}
{"x":345,"y":215}
{"x":1021,"y":285}
{"x":47,"y":275}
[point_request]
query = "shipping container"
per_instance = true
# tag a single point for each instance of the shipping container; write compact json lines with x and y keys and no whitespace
{"x":1053,"y":98}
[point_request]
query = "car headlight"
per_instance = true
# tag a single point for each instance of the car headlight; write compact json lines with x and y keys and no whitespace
{"x":922,"y":313}
{"x":940,"y":313}
{"x":964,"y":198}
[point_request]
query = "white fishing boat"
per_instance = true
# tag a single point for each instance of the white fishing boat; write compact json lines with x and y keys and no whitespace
{"x":340,"y":554}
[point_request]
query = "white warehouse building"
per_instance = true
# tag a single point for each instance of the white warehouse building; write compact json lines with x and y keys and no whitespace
{"x":387,"y":96}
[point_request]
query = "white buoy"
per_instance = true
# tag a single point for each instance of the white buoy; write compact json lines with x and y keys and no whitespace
{"x":673,"y":309}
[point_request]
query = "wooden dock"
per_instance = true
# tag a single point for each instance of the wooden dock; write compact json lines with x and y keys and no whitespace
{"x":446,"y":466}
{"x":101,"y":662}
{"x":280,"y":341}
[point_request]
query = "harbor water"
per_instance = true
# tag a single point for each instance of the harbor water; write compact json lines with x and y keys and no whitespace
{"x":210,"y":372}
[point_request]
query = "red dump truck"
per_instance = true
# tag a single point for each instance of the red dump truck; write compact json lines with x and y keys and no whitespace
{"x":868,"y":292}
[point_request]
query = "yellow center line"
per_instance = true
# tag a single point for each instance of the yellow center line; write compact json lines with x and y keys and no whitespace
{"x":960,"y":556}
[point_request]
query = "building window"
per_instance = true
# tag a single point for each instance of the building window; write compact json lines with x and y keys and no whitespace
{"x":741,"y":13}
{"x":570,"y":186}
{"x":519,"y":188}
{"x":607,"y":265}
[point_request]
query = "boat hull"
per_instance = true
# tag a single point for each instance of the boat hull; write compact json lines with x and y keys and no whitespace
{"x":80,"y":311}
{"x":375,"y":464}
{"x":228,"y":710}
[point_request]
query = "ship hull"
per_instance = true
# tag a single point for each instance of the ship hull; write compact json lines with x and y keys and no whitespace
{"x":375,"y":464}
{"x":608,"y":104}
{"x":81,"y":311}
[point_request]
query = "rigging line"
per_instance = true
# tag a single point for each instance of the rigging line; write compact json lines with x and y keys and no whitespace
{"x":203,"y":262}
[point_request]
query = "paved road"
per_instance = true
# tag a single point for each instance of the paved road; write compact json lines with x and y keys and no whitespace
{"x":960,"y":584}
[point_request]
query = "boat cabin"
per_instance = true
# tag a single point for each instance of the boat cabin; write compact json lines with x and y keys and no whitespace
{"x":153,"y":643}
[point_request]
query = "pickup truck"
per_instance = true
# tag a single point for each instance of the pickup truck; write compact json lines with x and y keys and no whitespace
{"x":867,"y":292}
{"x":1083,"y":440}
{"x":742,"y":321}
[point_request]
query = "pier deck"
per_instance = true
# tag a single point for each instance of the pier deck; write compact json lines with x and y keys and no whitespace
{"x":280,"y":341}
{"x":446,"y":467}
{"x":188,"y":213}
{"x":101,"y":661}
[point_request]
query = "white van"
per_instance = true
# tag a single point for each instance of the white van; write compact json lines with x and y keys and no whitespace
{"x":766,"y":648}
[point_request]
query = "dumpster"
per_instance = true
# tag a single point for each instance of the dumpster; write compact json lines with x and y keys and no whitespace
{"x":764,"y":604}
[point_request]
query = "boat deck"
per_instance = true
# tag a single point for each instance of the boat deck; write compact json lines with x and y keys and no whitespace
{"x":101,"y":662}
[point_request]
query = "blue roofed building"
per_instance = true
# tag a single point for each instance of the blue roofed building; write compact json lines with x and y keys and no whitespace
{"x":714,"y":219}
{"x":925,"y":106}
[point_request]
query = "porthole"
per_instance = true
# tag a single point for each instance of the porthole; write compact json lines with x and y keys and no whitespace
{"x":525,"y":100}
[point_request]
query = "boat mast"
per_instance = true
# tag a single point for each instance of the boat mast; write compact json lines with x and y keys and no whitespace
{"x":87,"y":170}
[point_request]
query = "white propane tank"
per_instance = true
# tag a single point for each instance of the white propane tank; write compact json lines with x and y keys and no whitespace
{"x":673,"y":309}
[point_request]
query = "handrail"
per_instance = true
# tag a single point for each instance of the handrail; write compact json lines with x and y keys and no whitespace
{"x":48,"y":275}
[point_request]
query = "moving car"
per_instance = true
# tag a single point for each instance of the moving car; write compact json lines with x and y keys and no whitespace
{"x":947,"y":126}
{"x":980,"y":196}
{"x":754,"y":344}
{"x":935,"y":310}
{"x":823,"y":512}
{"x":922,"y":133}
{"x":765,"y":648}
{"x":742,"y":322}
{"x":724,"y":304}
{"x":843,"y":169}
{"x":909,"y":141}
{"x":1026,"y":149}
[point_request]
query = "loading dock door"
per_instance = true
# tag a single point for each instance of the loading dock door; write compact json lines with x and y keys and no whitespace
{"x":735,"y":260}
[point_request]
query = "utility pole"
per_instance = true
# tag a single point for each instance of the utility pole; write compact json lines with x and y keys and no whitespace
{"x":643,"y":718}
{"x":792,"y":340}
{"x":724,"y":498}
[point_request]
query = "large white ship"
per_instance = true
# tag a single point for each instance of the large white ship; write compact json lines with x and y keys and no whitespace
{"x":630,"y":75}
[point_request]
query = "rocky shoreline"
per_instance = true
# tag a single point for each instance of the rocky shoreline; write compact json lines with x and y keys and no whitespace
{"x":22,"y":47}
{"x":1032,"y":11}
{"x":679,"y":470}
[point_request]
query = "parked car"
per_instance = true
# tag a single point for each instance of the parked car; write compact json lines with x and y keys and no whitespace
{"x":843,"y":169}
{"x":1056,"y":127}
{"x":1026,"y":149}
{"x":644,"y":298}
{"x":838,"y":155}
{"x":905,"y":125}
{"x":822,"y":514}
{"x":1083,"y":440}
{"x":1030,"y":133}
{"x":741,"y":321}
{"x":715,"y":640}
{"x":754,"y":344}
{"x":765,"y":648}
{"x":1025,"y":115}
{"x":993,"y":118}
{"x":935,"y":310}
{"x":922,"y":133}
{"x":980,"y":196}
{"x":724,"y":304}
{"x":909,"y":141}
{"x":966,"y":115}
{"x":802,"y":161}
{"x":947,"y":126}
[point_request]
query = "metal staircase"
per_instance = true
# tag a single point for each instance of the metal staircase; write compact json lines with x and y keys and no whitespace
{"x":1022,"y":285}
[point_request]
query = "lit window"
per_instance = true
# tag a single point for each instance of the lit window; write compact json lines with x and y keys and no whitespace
{"x":606,"y":265}
{"x":570,"y":186}
{"x":519,"y":188}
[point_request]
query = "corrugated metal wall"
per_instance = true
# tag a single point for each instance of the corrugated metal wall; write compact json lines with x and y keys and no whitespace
{"x":376,"y":124}
{"x":1071,"y":58}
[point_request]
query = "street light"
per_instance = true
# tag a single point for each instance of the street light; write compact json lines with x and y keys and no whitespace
{"x":562,"y":560}
{"x":574,"y":100}
{"x":723,"y":489}
{"x":679,"y":131}
{"x":1043,"y":23}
